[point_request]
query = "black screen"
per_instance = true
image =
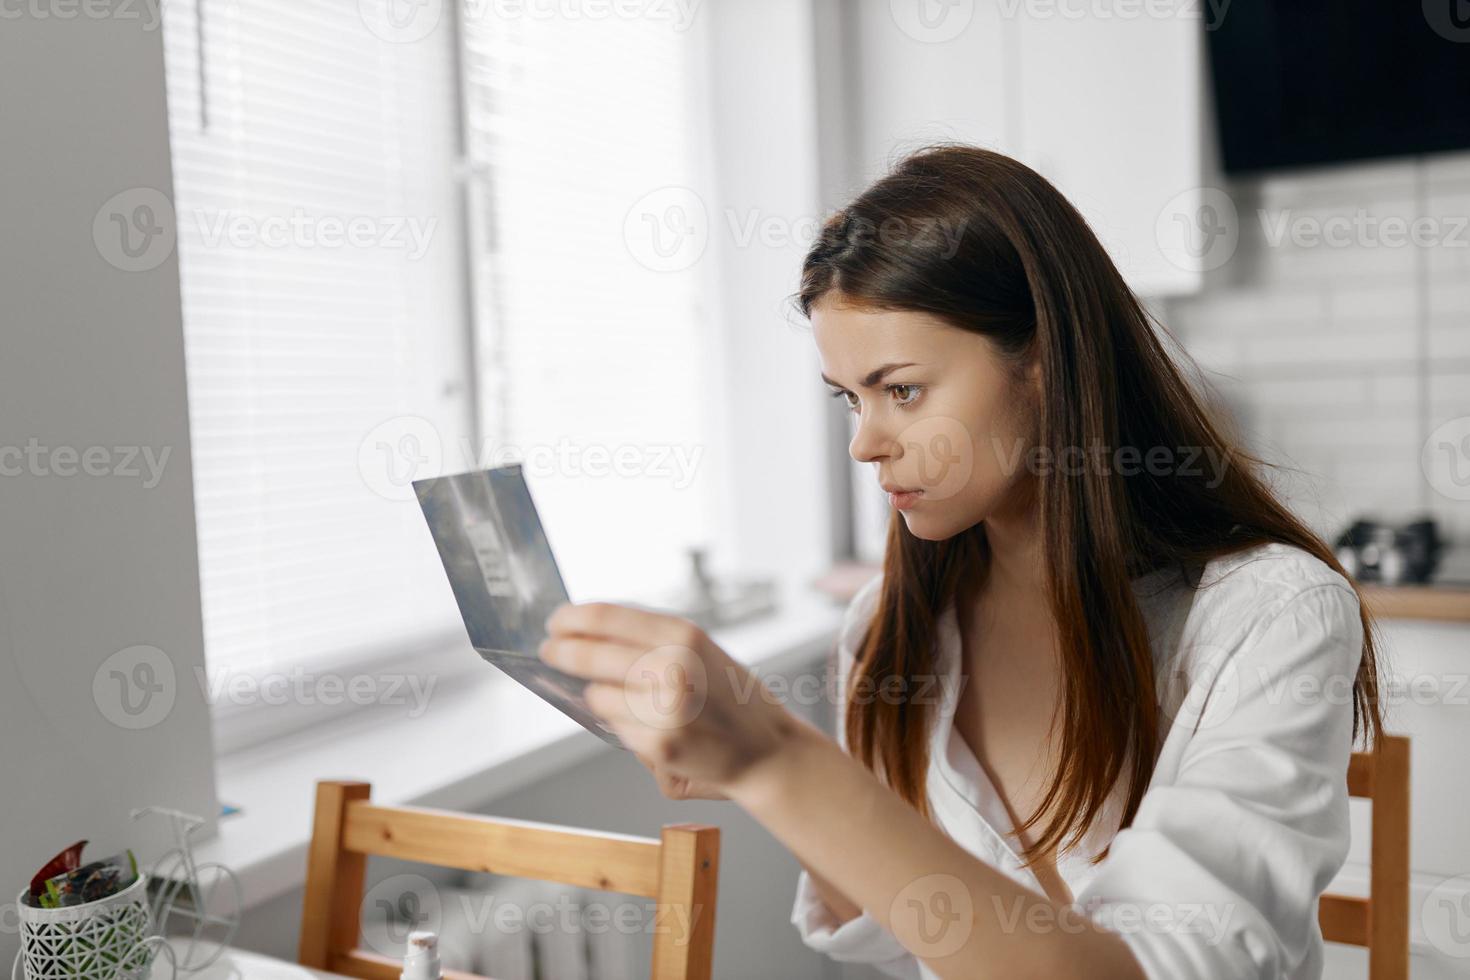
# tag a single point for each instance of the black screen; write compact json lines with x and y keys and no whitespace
{"x":1301,"y":82}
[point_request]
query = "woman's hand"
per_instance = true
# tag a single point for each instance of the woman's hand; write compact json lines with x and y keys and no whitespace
{"x":694,"y":716}
{"x":680,"y":787}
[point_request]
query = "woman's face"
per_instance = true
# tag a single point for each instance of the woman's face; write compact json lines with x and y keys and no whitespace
{"x":936,"y":409}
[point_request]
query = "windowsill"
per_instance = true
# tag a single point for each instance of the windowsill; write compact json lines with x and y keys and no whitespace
{"x":485,"y":738}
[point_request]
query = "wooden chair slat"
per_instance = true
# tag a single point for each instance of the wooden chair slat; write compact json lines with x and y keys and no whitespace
{"x":1381,"y":921}
{"x":679,"y":870}
{"x":611,"y":862}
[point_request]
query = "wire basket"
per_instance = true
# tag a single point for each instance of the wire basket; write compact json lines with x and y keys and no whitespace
{"x":103,"y":940}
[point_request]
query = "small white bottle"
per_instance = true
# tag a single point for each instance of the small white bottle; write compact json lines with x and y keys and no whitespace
{"x":421,"y":961}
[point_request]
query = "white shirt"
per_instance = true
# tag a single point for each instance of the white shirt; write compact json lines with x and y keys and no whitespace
{"x":1245,"y":819}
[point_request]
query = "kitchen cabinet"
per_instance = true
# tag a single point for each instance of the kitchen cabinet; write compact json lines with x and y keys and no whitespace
{"x":1106,"y":102}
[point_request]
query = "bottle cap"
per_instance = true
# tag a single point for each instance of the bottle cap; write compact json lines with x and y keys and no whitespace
{"x":422,"y":959}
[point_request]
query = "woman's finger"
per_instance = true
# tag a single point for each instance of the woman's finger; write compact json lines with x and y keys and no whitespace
{"x":593,"y":659}
{"x":636,"y":627}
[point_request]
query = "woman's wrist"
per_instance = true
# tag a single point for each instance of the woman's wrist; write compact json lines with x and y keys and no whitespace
{"x":798,"y":744}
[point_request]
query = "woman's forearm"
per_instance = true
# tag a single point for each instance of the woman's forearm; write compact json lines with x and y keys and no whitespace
{"x":959,"y":915}
{"x":841,"y":906}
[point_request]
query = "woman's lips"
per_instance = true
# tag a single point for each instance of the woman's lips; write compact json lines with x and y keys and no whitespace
{"x":904,"y":500}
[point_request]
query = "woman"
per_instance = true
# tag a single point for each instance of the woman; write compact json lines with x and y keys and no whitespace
{"x":1097,"y":711}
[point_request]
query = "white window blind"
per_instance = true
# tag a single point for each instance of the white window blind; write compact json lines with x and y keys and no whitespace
{"x":583,"y":135}
{"x":306,"y":151}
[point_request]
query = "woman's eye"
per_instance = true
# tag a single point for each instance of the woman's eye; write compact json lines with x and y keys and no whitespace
{"x":909,"y":388}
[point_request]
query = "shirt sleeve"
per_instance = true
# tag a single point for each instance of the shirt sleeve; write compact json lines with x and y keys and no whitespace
{"x":1219,"y":875}
{"x":861,"y":939}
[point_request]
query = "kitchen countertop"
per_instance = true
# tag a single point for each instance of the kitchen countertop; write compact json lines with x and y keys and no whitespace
{"x":1440,"y":603}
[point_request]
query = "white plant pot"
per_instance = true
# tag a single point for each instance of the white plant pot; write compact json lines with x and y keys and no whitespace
{"x":101,"y":940}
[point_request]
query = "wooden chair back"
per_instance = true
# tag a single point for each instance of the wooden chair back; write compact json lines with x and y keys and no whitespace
{"x":1381,"y":921}
{"x":679,"y":871}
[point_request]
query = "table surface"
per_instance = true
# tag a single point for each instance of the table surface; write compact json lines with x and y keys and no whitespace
{"x":237,"y":964}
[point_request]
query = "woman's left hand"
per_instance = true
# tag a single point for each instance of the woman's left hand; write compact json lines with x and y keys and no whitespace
{"x":666,"y":690}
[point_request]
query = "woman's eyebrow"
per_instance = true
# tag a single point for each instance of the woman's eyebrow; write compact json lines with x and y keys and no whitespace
{"x":874,"y":376}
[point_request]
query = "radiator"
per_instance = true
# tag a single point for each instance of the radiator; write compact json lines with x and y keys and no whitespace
{"x":515,"y":929}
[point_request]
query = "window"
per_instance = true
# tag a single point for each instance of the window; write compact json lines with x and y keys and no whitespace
{"x":586,"y":244}
{"x":348,"y":329}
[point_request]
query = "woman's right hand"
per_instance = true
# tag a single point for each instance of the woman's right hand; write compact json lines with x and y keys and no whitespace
{"x":680,"y":787}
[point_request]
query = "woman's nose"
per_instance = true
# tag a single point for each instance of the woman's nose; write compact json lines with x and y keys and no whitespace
{"x":870,"y":442}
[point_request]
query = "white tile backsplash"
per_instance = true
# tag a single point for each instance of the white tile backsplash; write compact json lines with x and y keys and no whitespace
{"x":1339,"y":358}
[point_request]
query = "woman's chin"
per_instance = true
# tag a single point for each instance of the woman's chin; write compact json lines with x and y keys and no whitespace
{"x":927,"y":527}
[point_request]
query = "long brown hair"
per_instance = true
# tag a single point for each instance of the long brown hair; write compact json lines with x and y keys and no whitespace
{"x":988,"y":245}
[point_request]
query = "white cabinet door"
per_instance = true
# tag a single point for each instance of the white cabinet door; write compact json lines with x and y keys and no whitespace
{"x":1104,"y":99}
{"x":924,"y":70}
{"x":1110,"y":112}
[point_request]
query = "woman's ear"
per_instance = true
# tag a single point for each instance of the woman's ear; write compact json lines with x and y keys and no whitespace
{"x":1033,"y":372}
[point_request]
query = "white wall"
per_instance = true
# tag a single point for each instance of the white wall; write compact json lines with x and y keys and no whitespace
{"x":1343,"y":355}
{"x":92,"y":365}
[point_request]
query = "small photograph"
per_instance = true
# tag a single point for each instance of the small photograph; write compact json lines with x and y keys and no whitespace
{"x":504,"y":577}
